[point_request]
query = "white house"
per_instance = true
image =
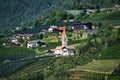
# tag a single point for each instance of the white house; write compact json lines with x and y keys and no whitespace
{"x":58,"y":50}
{"x":51,"y":28}
{"x":14,"y":40}
{"x":63,"y":51}
{"x":32,"y":44}
{"x":35,"y":44}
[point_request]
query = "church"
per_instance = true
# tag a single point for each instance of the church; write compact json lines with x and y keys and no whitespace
{"x":64,"y":50}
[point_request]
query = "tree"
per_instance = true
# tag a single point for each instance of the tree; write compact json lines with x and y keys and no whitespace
{"x":70,"y":16}
{"x":2,"y":35}
{"x":41,"y":36}
{"x":77,"y":18}
{"x":99,"y":24}
{"x":98,"y":9}
{"x":118,"y":32}
{"x":63,"y":15}
{"x":83,"y":13}
{"x":36,"y":76}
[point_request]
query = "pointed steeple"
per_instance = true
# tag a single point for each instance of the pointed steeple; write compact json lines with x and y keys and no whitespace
{"x":64,"y":38}
{"x":64,"y":31}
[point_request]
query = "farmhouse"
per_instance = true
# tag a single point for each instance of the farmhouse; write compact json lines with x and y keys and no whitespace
{"x":35,"y":44}
{"x":90,"y":11}
{"x":43,"y":31}
{"x":64,"y":51}
{"x":14,"y":39}
{"x":55,"y":29}
{"x":82,"y":26}
{"x":51,"y":28}
{"x":12,"y":42}
{"x":23,"y":36}
{"x":16,"y":43}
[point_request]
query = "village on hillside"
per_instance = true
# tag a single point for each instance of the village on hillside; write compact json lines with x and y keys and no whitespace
{"x":61,"y":34}
{"x":29,"y":40}
{"x":78,"y":43}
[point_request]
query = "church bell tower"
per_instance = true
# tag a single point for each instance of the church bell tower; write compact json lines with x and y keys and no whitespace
{"x":64,"y":37}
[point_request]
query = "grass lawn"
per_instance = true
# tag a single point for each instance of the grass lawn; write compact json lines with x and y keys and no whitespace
{"x":99,"y":66}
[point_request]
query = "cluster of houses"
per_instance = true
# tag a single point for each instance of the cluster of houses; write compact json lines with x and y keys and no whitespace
{"x":54,"y":29}
{"x":108,"y":10}
{"x":14,"y":41}
{"x":75,"y":27}
{"x":113,"y":9}
{"x":23,"y":36}
{"x":62,"y":50}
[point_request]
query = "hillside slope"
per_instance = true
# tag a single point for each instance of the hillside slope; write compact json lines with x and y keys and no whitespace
{"x":100,"y":3}
{"x":19,"y":12}
{"x":112,"y":18}
{"x":14,"y":13}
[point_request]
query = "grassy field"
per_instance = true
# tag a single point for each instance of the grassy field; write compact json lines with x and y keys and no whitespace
{"x":99,"y":66}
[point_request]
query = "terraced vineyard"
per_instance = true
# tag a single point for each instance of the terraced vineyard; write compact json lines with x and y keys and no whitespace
{"x":99,"y":66}
{"x":83,"y":75}
{"x":37,"y":66}
{"x":94,"y":70}
{"x":14,"y":66}
{"x":9,"y":68}
{"x":14,"y":57}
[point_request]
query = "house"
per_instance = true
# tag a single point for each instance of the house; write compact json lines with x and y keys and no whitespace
{"x":12,"y":42}
{"x":43,"y":31}
{"x":58,"y":30}
{"x":50,"y":52}
{"x":78,"y":27}
{"x":16,"y":43}
{"x":102,"y":9}
{"x":23,"y":36}
{"x":55,"y":29}
{"x":32,"y":44}
{"x":18,"y":28}
{"x":111,"y":10}
{"x":82,"y":26}
{"x":14,"y":39}
{"x":64,"y":51}
{"x":35,"y":44}
{"x":51,"y":28}
{"x":71,"y":20}
{"x":89,"y":11}
{"x":58,"y":50}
